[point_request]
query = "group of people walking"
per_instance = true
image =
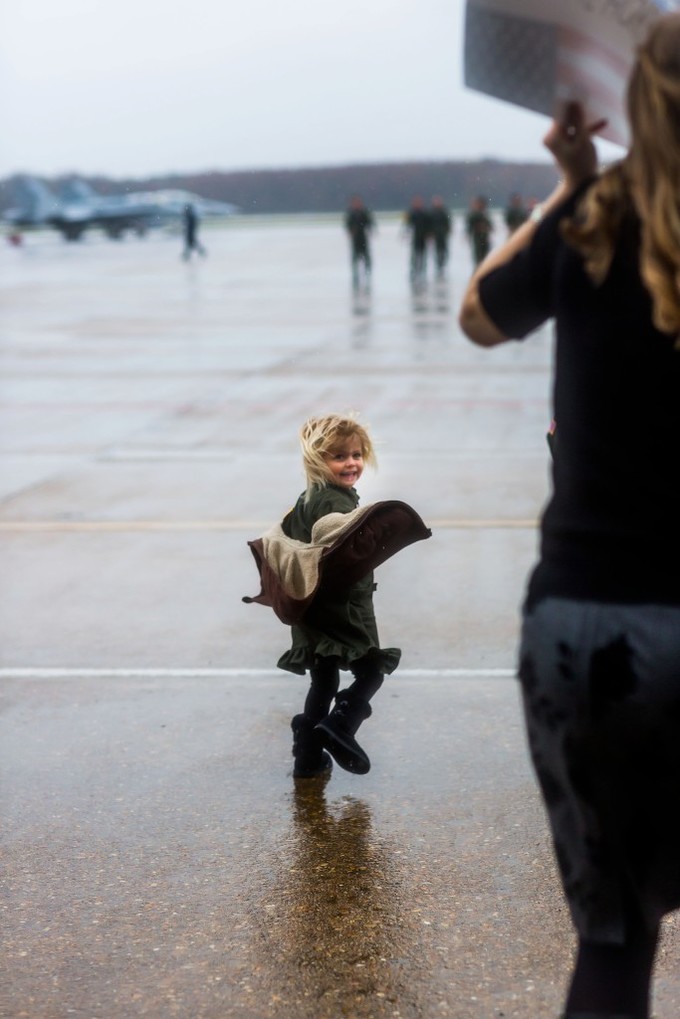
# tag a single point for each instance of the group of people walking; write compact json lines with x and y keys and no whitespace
{"x":429,"y":229}
{"x":425,"y":226}
{"x":479,"y":225}
{"x":428,"y":226}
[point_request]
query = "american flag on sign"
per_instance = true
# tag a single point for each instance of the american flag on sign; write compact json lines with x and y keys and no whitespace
{"x":534,"y":53}
{"x":590,"y":70}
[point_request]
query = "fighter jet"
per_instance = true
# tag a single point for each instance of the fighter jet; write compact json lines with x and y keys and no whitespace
{"x":78,"y":208}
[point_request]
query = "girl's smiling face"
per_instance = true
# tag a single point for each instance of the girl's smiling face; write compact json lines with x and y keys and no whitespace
{"x":346,"y":462}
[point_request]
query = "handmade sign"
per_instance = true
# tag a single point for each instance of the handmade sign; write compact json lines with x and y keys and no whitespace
{"x":537,"y":53}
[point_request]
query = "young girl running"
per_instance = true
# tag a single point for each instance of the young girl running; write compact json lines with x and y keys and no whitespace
{"x":316,"y":573}
{"x":339,"y":629}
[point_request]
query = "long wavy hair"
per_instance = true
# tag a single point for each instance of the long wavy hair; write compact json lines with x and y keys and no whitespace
{"x":322,"y":436}
{"x":647,"y":179}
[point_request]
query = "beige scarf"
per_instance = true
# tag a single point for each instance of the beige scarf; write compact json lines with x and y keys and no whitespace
{"x":296,"y":563}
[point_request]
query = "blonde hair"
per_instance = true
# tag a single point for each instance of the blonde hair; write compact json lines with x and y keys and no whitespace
{"x":320,"y":437}
{"x":648,"y":179}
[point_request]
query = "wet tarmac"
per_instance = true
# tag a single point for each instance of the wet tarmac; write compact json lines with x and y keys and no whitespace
{"x":158,"y":859}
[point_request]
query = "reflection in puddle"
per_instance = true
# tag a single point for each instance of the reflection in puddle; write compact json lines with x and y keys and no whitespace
{"x":361,"y":313}
{"x":431,"y":309}
{"x":434,"y":297}
{"x":333,"y":920}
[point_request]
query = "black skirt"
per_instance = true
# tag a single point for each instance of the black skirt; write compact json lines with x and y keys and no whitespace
{"x":601,"y":689}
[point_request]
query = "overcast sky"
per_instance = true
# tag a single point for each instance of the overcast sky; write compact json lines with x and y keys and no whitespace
{"x":140,"y":87}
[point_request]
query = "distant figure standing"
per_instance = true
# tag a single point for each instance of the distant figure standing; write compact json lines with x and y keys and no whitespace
{"x":418,"y":222}
{"x":440,"y":224}
{"x":516,"y":213}
{"x":359,"y":222}
{"x":191,"y":241}
{"x":479,"y":228}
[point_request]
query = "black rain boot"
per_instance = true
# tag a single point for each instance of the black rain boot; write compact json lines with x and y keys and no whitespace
{"x":310,"y":757}
{"x":337,"y":733}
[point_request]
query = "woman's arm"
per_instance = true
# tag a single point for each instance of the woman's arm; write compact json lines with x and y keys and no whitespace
{"x":569,"y":139}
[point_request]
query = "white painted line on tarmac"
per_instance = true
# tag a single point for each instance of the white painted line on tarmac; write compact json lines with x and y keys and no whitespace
{"x":41,"y":672}
{"x":256,"y":526}
{"x":119,"y":455}
{"x":71,"y":526}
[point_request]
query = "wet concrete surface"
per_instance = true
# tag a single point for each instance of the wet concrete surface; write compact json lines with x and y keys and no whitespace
{"x":158,"y":859}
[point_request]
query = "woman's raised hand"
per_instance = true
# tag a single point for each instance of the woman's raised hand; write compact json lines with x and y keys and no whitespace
{"x":571,"y":143}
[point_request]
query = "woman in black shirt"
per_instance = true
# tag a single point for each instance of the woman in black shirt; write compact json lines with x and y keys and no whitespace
{"x":600,"y":650}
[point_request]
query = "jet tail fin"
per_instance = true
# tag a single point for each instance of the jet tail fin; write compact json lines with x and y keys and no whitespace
{"x":36,"y":203}
{"x":77,"y":191}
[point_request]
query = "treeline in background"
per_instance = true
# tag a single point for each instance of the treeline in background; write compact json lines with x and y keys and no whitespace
{"x":383,"y":186}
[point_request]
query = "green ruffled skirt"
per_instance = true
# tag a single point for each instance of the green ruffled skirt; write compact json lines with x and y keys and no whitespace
{"x":342,"y":626}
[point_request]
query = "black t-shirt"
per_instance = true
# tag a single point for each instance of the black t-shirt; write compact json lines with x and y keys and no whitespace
{"x":441,"y":222}
{"x":420,"y":225}
{"x":611,"y":530}
{"x":359,"y":222}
